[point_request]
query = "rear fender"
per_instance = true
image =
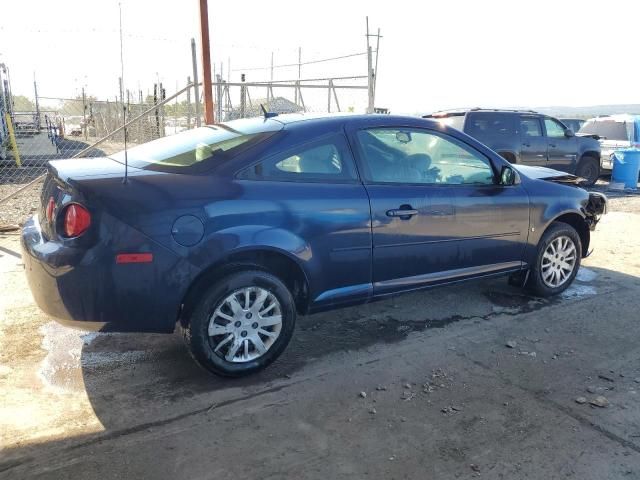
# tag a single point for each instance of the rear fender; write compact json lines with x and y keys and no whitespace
{"x":243,"y":238}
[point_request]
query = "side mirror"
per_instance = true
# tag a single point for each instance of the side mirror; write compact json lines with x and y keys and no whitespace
{"x":403,"y":137}
{"x":569,"y":133}
{"x":508,"y":176}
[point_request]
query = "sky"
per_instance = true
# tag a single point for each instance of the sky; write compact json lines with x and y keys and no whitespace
{"x":433,"y":54}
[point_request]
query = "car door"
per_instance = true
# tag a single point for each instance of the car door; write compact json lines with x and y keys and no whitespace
{"x":562,"y":149}
{"x":533,"y":143}
{"x":437,"y":212}
{"x":309,"y":201}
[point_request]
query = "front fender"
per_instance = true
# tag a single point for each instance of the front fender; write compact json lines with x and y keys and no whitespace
{"x":550,"y":201}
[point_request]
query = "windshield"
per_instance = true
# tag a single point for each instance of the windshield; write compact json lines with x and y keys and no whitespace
{"x":607,"y":129}
{"x":198,"y":148}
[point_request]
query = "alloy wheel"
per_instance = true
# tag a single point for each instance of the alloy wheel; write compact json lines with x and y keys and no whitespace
{"x":245,"y":324}
{"x":558,"y":261}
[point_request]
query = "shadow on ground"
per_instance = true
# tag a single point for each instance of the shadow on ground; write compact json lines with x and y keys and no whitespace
{"x":139,"y":382}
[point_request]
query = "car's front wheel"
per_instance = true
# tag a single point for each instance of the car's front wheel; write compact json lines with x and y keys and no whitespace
{"x":557,"y":260}
{"x":241,"y":324}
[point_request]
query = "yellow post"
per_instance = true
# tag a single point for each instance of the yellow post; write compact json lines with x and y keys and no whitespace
{"x":12,"y":140}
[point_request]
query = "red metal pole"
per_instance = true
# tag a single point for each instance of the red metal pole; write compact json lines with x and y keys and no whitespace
{"x":206,"y":63}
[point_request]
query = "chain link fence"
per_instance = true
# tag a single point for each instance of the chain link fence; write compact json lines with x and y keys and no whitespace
{"x":79,"y":128}
{"x":87,"y":127}
{"x":320,"y":95}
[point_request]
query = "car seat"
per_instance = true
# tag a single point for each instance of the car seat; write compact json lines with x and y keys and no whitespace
{"x":322,"y":160}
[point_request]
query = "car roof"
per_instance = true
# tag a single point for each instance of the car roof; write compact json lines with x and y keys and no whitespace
{"x":621,"y":117}
{"x":304,"y":120}
{"x":289,"y":118}
{"x":464,"y":111}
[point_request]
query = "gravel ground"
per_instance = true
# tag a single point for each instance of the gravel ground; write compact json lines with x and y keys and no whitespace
{"x":18,"y":208}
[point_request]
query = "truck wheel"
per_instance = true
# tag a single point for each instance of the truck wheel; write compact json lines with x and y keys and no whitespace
{"x":241,"y":324}
{"x":557,"y":260}
{"x":589,"y":169}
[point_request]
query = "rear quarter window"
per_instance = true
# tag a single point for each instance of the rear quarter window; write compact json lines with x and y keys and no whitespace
{"x":487,"y":125}
{"x":325,"y":159}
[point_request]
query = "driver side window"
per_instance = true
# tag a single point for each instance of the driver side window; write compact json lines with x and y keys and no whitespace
{"x":554,"y":129}
{"x":400,"y":155}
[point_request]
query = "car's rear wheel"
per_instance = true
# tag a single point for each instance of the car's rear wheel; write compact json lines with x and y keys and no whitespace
{"x":241,"y":324}
{"x":557,"y":260}
{"x":589,"y":169}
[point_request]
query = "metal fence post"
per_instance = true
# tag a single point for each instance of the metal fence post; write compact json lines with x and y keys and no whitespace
{"x":35,"y":91}
{"x":188,"y":104}
{"x":219,"y":98}
{"x":12,"y":140}
{"x":84,"y":113}
{"x":243,"y":97}
{"x":195,"y":81}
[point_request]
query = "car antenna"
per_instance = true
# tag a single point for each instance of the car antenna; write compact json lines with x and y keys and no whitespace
{"x":124,"y":107}
{"x":267,"y":114}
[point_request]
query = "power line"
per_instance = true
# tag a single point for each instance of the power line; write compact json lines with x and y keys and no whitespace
{"x":296,"y":64}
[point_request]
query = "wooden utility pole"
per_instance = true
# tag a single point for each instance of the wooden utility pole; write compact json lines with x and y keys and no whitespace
{"x":206,"y":63}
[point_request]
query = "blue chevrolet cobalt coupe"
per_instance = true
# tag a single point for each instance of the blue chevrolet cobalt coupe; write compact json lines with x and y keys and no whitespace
{"x":231,"y":230}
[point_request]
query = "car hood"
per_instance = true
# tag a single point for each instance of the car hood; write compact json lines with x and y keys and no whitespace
{"x":544,"y":173}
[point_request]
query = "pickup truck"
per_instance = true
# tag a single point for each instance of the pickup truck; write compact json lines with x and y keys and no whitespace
{"x":529,"y":138}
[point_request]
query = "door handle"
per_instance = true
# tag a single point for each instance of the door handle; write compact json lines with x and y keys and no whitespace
{"x":552,"y":145}
{"x":403,"y":213}
{"x":526,"y":145}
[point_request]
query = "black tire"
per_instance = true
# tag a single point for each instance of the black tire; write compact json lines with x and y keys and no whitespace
{"x":536,"y":284}
{"x":589,"y":169}
{"x":202,"y":346}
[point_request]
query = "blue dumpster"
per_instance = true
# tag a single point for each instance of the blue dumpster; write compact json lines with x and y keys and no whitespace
{"x":626,"y":167}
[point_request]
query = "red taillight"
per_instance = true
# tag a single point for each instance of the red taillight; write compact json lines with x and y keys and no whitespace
{"x":76,"y":220}
{"x":50,"y":206}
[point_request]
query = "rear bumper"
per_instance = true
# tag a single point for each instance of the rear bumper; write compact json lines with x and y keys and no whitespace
{"x":85,"y":288}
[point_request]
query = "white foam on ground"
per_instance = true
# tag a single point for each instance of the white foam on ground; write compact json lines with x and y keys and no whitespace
{"x":586,"y":275}
{"x":61,"y":369}
{"x":578,"y":291}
